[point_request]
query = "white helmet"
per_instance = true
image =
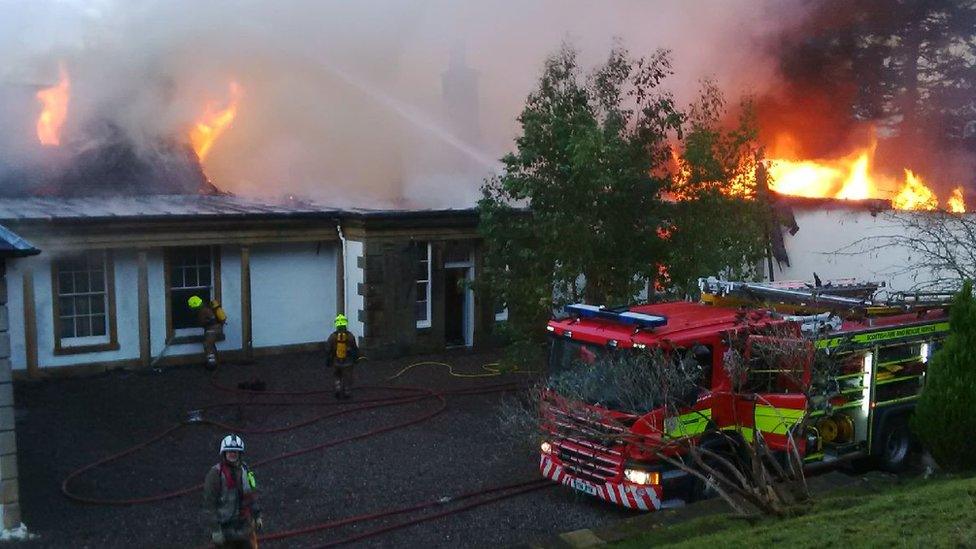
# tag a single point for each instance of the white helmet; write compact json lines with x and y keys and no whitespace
{"x":231,"y":443}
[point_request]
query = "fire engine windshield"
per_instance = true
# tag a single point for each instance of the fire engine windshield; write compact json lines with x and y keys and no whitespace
{"x":620,"y":379}
{"x":568,"y":355}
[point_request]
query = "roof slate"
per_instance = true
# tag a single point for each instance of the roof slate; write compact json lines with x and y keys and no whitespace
{"x":184,"y":206}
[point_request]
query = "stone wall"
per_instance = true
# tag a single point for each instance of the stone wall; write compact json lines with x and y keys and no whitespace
{"x":9,"y":490}
{"x":389,"y":293}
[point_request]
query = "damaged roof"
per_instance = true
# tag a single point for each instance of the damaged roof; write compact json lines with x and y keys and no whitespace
{"x":180,"y":206}
{"x":154,"y":206}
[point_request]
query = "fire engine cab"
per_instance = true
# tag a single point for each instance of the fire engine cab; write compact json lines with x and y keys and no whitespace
{"x":857,"y":408}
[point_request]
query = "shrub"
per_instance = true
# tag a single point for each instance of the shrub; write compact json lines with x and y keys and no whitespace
{"x":945,"y":418}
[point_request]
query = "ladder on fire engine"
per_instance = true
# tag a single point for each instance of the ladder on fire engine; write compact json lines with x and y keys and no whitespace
{"x":845,"y":297}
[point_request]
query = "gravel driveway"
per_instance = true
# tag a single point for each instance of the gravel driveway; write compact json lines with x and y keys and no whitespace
{"x":65,"y":424}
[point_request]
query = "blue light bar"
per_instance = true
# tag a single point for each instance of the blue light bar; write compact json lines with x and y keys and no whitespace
{"x":627,"y":317}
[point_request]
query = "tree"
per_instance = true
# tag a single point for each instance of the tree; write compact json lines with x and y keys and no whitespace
{"x":913,"y":63}
{"x":579,"y":214}
{"x":944,"y":419}
{"x":717,"y":222}
{"x":579,"y":198}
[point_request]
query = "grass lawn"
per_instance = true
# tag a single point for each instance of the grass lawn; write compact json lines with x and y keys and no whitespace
{"x":916,"y":513}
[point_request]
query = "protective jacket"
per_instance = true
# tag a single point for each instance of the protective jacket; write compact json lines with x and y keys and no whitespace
{"x":207,"y":318}
{"x":341,"y":349}
{"x":230,"y":499}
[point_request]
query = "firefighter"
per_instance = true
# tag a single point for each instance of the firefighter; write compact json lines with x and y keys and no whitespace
{"x":342,"y":353}
{"x":230,"y":498}
{"x":212,"y":326}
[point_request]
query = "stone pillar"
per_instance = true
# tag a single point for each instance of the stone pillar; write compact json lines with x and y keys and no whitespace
{"x":9,"y":491}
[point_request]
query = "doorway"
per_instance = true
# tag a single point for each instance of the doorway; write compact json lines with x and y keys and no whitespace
{"x":458,"y":304}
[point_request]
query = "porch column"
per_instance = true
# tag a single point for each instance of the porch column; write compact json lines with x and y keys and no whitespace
{"x":247,"y":343}
{"x":145,"y":350}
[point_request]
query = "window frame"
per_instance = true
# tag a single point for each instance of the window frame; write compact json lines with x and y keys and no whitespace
{"x":86,"y":344}
{"x":422,"y":324}
{"x":187,"y":335}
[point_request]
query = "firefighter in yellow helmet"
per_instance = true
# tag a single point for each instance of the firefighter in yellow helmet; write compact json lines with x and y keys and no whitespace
{"x":341,"y":356}
{"x":211,"y":318}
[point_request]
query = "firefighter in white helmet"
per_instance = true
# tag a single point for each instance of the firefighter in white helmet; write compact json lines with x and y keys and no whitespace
{"x":230,"y":498}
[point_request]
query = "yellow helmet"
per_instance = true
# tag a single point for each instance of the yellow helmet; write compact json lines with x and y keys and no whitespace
{"x":194,"y":301}
{"x":341,"y":321}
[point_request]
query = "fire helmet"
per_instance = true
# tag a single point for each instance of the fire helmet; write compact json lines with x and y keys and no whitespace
{"x":341,"y":321}
{"x":231,"y":443}
{"x":194,"y":302}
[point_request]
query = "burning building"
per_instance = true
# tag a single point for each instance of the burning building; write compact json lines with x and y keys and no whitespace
{"x":130,"y":230}
{"x":110,"y":288}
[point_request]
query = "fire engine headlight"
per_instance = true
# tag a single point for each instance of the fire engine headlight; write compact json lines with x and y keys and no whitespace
{"x":642,"y":477}
{"x":545,"y":448}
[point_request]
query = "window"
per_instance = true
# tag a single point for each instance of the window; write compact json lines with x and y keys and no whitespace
{"x":190,"y":271}
{"x":422,"y":305}
{"x":84,"y":307}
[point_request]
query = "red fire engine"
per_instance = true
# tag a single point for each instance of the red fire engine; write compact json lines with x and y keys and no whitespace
{"x":859,"y":410}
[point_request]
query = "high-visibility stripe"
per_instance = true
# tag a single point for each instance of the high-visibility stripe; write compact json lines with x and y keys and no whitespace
{"x":778,"y":421}
{"x":871,"y":337}
{"x":690,"y":424}
{"x":747,"y":432}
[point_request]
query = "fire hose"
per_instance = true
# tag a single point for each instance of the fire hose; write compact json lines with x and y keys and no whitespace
{"x":414,"y":395}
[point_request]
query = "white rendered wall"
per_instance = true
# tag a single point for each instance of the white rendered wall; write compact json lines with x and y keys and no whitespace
{"x":126,"y":306}
{"x":354,"y":277}
{"x":825,"y":232}
{"x":293,"y":293}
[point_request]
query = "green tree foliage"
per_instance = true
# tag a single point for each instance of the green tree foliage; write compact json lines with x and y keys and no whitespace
{"x":717,"y":224}
{"x":944,"y":418}
{"x":580,"y":197}
{"x":590,"y":194}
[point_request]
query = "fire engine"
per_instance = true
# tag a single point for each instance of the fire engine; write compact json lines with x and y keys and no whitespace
{"x":857,"y":410}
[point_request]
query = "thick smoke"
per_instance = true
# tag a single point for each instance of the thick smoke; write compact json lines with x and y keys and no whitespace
{"x":851,"y":69}
{"x":344,"y":102}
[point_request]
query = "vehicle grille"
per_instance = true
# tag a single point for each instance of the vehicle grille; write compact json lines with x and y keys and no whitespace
{"x":587,"y":445}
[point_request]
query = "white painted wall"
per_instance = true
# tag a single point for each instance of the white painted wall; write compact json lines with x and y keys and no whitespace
{"x":293,"y":293}
{"x":354,"y":277}
{"x":293,"y":300}
{"x":126,"y":303}
{"x":824,"y":232}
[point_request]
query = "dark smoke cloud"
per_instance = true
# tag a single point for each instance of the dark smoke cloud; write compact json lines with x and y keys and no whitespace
{"x":837,"y":84}
{"x":343,"y":100}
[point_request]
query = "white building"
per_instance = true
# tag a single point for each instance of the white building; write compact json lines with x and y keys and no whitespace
{"x":844,"y":239}
{"x":110,"y":285}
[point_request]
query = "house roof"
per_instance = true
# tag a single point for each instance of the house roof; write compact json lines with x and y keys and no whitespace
{"x":155,"y":206}
{"x":188,"y":206}
{"x":12,"y":245}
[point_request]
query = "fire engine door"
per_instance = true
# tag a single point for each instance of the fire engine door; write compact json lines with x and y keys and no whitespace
{"x":776,"y":378}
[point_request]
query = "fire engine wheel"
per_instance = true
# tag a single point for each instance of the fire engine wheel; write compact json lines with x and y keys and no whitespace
{"x":897,"y":448}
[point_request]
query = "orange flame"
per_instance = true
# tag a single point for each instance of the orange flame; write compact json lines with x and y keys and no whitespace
{"x":55,"y":111}
{"x":214,"y":122}
{"x":850,"y":178}
{"x":915,"y":195}
{"x":956,"y":204}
